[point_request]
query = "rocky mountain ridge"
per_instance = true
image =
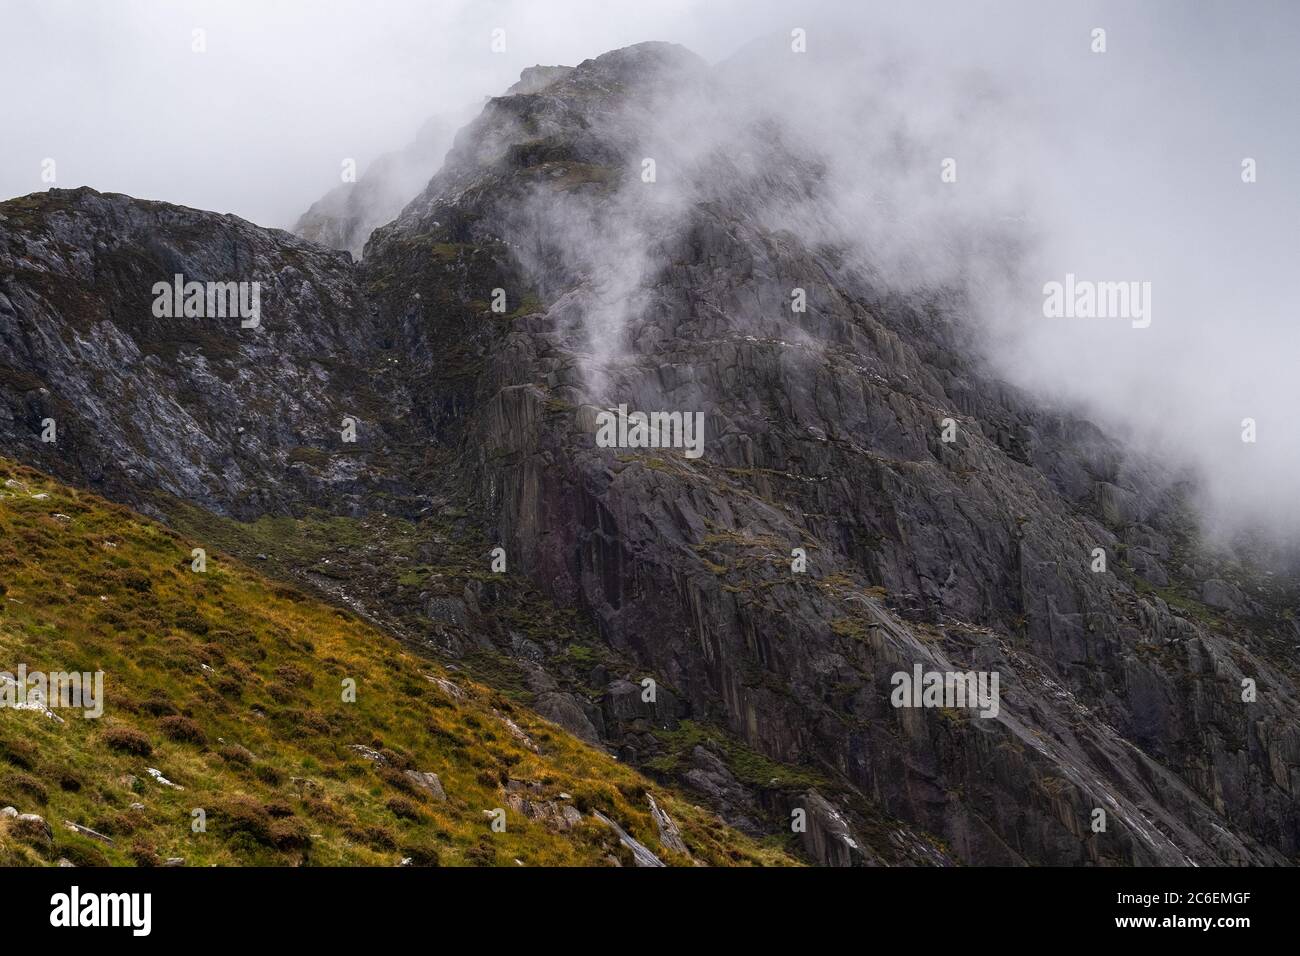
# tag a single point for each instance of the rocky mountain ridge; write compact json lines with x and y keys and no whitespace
{"x":1121,"y":690}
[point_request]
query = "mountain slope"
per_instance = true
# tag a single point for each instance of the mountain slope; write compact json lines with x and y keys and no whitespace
{"x":1121,"y":689}
{"x":232,"y":687}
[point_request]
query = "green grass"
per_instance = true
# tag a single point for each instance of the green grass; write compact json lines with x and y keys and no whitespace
{"x":747,"y":765}
{"x":230,"y":685}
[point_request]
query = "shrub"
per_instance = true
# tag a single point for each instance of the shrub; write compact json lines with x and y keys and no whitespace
{"x":144,"y":854}
{"x":266,"y":773}
{"x":398,"y":780}
{"x":187,"y":619}
{"x":182,"y":729}
{"x":404,"y":809}
{"x":421,"y":855}
{"x":158,"y":706}
{"x":397,"y":758}
{"x":19,"y":752}
{"x":26,"y":784}
{"x":294,"y":676}
{"x":83,"y":852}
{"x":289,"y":833}
{"x":135,"y":581}
{"x":373,"y":836}
{"x":127,"y":740}
{"x":234,"y":753}
{"x":247,"y":816}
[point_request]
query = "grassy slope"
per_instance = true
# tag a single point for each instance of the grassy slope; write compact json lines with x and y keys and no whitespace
{"x":255,"y":669}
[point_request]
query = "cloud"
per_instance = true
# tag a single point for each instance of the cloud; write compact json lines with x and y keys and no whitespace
{"x":1115,"y":166}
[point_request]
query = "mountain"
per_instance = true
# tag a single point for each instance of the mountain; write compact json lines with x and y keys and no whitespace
{"x":225,"y":692}
{"x":544,"y":277}
{"x":344,"y":217}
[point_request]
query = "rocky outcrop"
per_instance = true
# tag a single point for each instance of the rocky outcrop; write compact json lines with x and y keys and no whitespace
{"x":240,"y":420}
{"x":826,"y":436}
{"x":429,"y":783}
{"x":641,"y":855}
{"x":828,"y":538}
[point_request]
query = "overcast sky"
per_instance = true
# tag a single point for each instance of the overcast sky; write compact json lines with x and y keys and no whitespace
{"x":259,"y":124}
{"x":1130,"y":160}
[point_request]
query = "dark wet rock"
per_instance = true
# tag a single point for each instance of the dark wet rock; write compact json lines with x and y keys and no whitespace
{"x":238,"y":420}
{"x":828,"y":838}
{"x":447,"y":611}
{"x":1223,"y":595}
{"x":566,"y":711}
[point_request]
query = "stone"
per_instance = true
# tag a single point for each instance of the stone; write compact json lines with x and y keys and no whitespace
{"x":669,"y":835}
{"x":428,"y":782}
{"x":87,"y":831}
{"x":641,"y":855}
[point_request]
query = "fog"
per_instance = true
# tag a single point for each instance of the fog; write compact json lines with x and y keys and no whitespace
{"x":1117,"y":166}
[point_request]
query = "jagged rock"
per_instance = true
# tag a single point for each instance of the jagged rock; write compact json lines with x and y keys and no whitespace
{"x":369,"y":753}
{"x":1145,"y":564}
{"x":669,"y":835}
{"x":344,"y":218}
{"x":641,"y":856}
{"x":564,"y":710}
{"x":710,"y":776}
{"x":1223,"y":595}
{"x":516,"y":732}
{"x":624,"y":708}
{"x":447,"y":611}
{"x":828,"y":838}
{"x":521,"y":797}
{"x":446,"y":686}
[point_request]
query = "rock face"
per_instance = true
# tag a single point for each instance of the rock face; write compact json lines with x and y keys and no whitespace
{"x":1121,"y":691}
{"x":238,"y":420}
{"x":828,"y":837}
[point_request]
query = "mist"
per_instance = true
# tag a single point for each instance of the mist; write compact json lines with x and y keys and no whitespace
{"x":1115,"y":166}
